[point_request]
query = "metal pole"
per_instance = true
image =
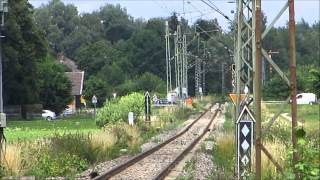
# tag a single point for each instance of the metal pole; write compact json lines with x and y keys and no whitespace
{"x":222,"y":79}
{"x":238,"y":55}
{"x":95,"y":109}
{"x":293,"y":82}
{"x":257,"y":88}
{"x":167,"y":57}
{"x":2,"y":115}
{"x":203,"y":76}
{"x":1,"y":96}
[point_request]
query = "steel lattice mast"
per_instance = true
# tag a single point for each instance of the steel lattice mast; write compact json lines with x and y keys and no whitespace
{"x":248,"y":60}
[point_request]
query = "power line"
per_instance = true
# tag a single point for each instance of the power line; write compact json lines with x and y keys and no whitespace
{"x":195,"y":7}
{"x":214,"y":7}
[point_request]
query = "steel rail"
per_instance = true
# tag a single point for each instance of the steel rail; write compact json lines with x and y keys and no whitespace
{"x":117,"y":169}
{"x":168,"y":169}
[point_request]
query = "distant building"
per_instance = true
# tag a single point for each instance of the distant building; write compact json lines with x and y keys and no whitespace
{"x":68,"y":62}
{"x":76,"y":79}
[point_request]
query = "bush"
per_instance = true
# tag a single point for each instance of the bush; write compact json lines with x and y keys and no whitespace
{"x":76,"y":144}
{"x":48,"y":164}
{"x":115,"y":111}
{"x":309,"y":157}
{"x":127,"y":137}
{"x":224,"y":157}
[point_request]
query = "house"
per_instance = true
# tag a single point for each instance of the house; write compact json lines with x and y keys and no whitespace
{"x":76,"y":79}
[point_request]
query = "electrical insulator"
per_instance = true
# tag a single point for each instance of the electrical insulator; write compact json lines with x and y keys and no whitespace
{"x":4,"y":6}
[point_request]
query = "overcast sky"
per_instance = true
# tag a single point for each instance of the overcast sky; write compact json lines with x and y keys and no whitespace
{"x":194,"y":9}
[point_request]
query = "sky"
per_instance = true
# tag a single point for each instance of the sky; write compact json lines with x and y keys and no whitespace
{"x":191,"y":10}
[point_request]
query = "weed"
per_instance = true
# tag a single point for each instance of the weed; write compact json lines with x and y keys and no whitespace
{"x":12,"y":162}
{"x":188,"y":171}
{"x":48,"y":164}
{"x":224,"y":157}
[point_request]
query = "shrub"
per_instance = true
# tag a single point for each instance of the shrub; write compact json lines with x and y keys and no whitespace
{"x":127,"y":137}
{"x":76,"y":144}
{"x":12,"y":162}
{"x":48,"y":164}
{"x":309,"y":157}
{"x":116,"y":111}
{"x":224,"y":157}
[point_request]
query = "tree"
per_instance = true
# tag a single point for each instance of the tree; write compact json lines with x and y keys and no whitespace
{"x":116,"y":22}
{"x":24,"y":46}
{"x":55,"y":87}
{"x":58,"y":21}
{"x":315,"y":81}
{"x":97,"y":87}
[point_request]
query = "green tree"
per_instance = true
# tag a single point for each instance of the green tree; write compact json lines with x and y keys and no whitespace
{"x":97,"y":87}
{"x":117,"y":22}
{"x":58,"y":22}
{"x":150,"y":82}
{"x":275,"y":89}
{"x":55,"y":87}
{"x":23,"y":47}
{"x":315,"y":81}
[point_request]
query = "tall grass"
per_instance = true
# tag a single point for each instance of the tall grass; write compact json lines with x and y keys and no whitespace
{"x":278,"y":151}
{"x":11,"y":159}
{"x":67,"y":154}
{"x":224,"y":157}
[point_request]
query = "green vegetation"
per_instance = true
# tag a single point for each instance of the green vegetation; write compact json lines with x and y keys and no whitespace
{"x":31,"y":74}
{"x":188,"y":171}
{"x":117,"y":110}
{"x":223,"y":151}
{"x":278,"y":143}
{"x":30,"y":130}
{"x":308,"y":115}
{"x":68,"y":146}
{"x":131,"y":51}
{"x":67,"y":154}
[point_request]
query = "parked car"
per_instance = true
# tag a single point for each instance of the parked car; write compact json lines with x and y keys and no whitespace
{"x":48,"y":115}
{"x":163,"y":101}
{"x":67,"y":112}
{"x":306,"y":98}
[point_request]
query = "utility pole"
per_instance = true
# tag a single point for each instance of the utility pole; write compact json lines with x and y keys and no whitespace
{"x":197,"y":75}
{"x":168,"y":58}
{"x":257,"y":88}
{"x":197,"y":71}
{"x":293,"y":83}
{"x":248,"y":57}
{"x":181,"y":63}
{"x":222,"y":79}
{"x":184,"y":67}
{"x":204,"y":69}
{"x":3,"y":10}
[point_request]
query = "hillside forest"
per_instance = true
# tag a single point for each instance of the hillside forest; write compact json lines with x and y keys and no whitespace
{"x":122,"y":54}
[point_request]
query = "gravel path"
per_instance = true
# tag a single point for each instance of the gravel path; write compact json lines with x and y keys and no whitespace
{"x":102,"y":167}
{"x":150,"y":166}
{"x":202,"y":159}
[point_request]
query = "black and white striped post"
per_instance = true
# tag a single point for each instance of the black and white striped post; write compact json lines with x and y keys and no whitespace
{"x":244,"y":130}
{"x":147,"y":107}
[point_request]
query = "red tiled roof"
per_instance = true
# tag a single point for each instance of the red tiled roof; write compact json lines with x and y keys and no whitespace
{"x":76,"y":79}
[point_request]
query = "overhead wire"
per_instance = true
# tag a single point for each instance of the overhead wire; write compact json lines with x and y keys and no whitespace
{"x":215,"y":8}
{"x":163,"y":7}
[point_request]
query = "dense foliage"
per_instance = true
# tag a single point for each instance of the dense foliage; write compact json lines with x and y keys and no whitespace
{"x":30,"y":74}
{"x":115,"y":50}
{"x":121,"y":54}
{"x":117,"y":110}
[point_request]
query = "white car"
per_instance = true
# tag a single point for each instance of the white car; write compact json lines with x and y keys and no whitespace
{"x":48,"y":115}
{"x":306,"y":98}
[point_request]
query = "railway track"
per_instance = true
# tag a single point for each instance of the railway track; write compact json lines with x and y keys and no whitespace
{"x":157,"y":162}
